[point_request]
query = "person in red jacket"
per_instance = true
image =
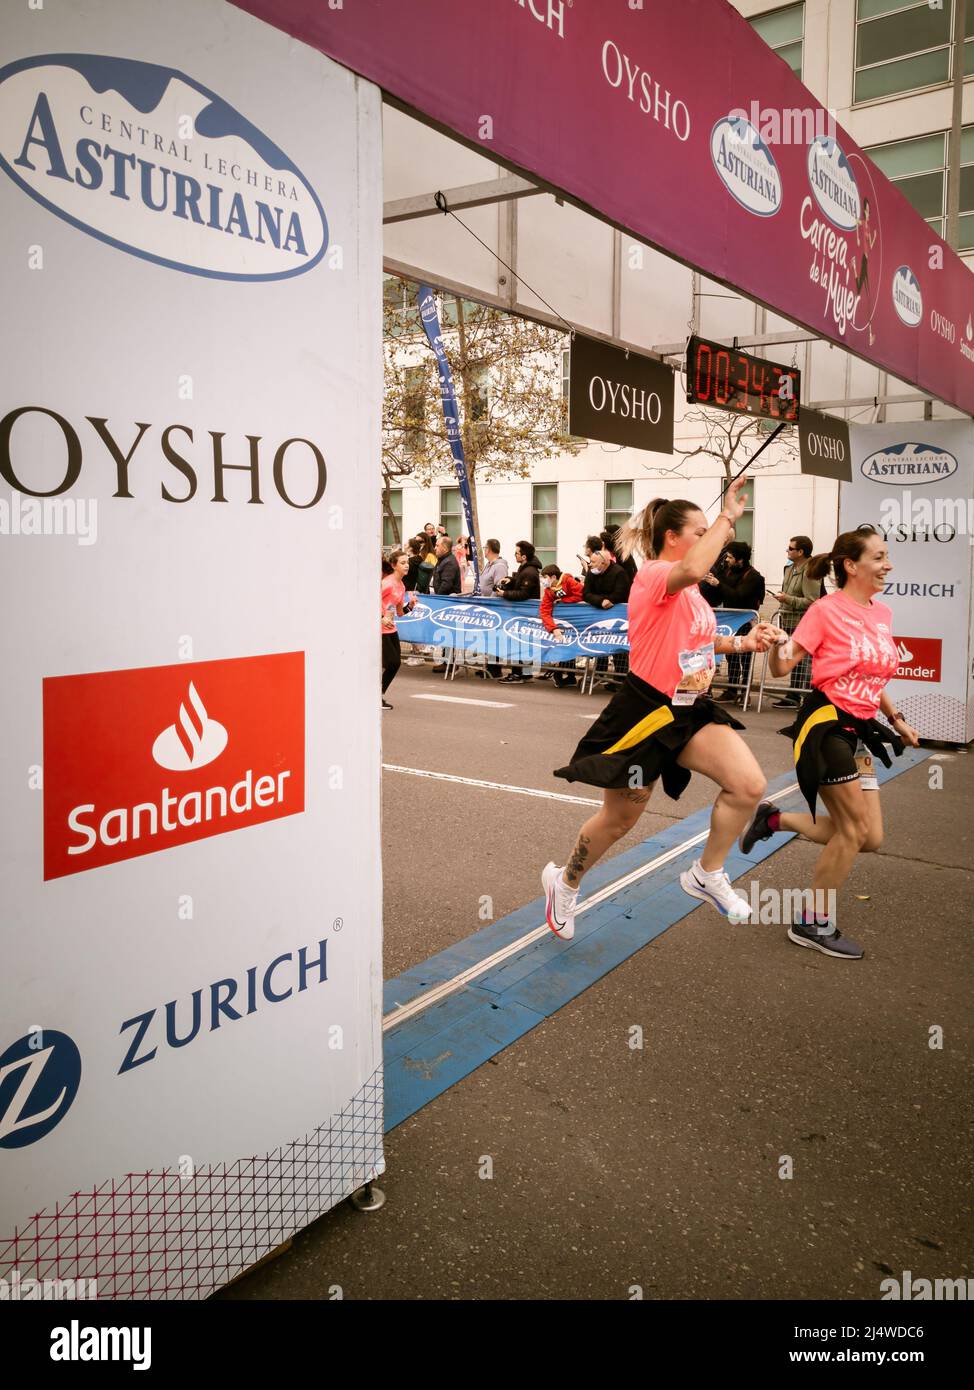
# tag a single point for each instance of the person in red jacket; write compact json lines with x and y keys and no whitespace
{"x":559,"y":588}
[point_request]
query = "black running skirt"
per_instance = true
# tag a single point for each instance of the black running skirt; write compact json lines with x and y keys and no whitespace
{"x":825,"y":738}
{"x":640,"y":730}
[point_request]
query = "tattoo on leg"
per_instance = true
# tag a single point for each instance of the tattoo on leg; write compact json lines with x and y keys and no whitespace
{"x":576,"y":863}
{"x":640,"y":795}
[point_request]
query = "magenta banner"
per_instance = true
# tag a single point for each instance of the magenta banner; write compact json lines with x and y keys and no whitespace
{"x":678,"y":123}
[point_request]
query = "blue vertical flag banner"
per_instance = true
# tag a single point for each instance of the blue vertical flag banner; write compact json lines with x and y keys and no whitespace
{"x":431,"y":324}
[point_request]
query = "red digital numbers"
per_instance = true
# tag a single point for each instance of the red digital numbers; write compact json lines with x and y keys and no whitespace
{"x":703,"y":392}
{"x":736,"y":381}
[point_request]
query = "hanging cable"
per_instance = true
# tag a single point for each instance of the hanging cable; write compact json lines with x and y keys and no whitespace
{"x":440,"y":200}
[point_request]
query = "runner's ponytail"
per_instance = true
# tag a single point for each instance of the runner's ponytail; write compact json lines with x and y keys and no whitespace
{"x":646,"y":531}
{"x":849,"y":546}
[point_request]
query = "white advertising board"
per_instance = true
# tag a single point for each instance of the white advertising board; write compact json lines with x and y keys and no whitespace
{"x":190,"y":997}
{"x":915,"y":482}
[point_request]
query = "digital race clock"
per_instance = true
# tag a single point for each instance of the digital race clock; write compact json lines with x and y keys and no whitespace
{"x":731,"y":380}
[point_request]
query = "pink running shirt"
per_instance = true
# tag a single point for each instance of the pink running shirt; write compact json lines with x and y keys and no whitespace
{"x":671,"y":636}
{"x":853,"y":652}
{"x":393,"y":593}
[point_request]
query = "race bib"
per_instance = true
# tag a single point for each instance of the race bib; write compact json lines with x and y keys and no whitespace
{"x":867,"y":771}
{"x":697,"y":671}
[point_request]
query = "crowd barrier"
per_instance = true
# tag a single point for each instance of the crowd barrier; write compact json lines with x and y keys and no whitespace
{"x":512,"y":633}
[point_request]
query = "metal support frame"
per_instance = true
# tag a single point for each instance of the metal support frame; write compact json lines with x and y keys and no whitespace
{"x":468,"y":195}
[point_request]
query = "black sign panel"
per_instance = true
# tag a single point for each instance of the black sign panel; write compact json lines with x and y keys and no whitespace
{"x":823,"y":442}
{"x":621,"y":399}
{"x":732,"y":380}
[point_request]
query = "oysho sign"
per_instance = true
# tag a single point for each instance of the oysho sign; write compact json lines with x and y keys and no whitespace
{"x":823,"y":445}
{"x":619,"y":397}
{"x":153,"y":163}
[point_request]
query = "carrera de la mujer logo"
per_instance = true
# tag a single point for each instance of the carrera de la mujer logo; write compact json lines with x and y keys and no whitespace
{"x":143,"y":760}
{"x":150,"y":161}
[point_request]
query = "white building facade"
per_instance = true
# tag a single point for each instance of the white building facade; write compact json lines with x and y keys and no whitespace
{"x":884,"y":68}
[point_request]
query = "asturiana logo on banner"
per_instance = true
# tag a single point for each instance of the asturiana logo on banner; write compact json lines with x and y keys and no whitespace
{"x":907,"y":299}
{"x":908,"y":463}
{"x":608,"y":633}
{"x":152,"y":162}
{"x":39,"y":1078}
{"x":833,"y":183}
{"x":109,"y":735}
{"x":746,"y":166}
{"x":468,"y":617}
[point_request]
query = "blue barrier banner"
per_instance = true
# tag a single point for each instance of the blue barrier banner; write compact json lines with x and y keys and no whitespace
{"x":513,"y":633}
{"x":451,"y":415}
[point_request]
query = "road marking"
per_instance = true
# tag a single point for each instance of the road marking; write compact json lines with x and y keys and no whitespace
{"x":448,"y":987}
{"x":459,"y":700}
{"x":492,"y":786}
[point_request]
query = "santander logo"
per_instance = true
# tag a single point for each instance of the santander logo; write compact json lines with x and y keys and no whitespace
{"x":191,"y":741}
{"x":108,"y":795}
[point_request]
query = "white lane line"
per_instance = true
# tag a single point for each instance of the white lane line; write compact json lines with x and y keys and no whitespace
{"x":459,"y":700}
{"x":492,"y":786}
{"x":448,"y":987}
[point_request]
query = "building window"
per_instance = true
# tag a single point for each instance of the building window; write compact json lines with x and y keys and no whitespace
{"x":544,"y":521}
{"x":395,"y":503}
{"x":414,"y":409}
{"x":451,"y":511}
{"x":782,"y":30}
{"x":918,"y":168}
{"x":618,"y":504}
{"x":400,"y":312}
{"x":902,"y":45}
{"x":744,"y":525}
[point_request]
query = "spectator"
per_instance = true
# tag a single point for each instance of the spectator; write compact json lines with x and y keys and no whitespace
{"x":393,"y":603}
{"x":494,"y":570}
{"x":524,"y":584}
{"x":415,"y":560}
{"x":461,"y":553}
{"x":428,"y":563}
{"x":739,"y":586}
{"x":559,"y":588}
{"x":797,"y":594}
{"x":606,"y":584}
{"x":609,"y":538}
{"x":446,"y":579}
{"x":492,"y":575}
{"x":446,"y":575}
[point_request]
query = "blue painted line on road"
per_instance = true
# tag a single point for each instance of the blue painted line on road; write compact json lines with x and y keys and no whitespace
{"x":446,"y":1042}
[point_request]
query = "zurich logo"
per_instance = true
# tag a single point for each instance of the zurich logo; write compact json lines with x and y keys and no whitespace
{"x":908,"y":463}
{"x":39,"y":1079}
{"x":907,"y":299}
{"x":467,"y":617}
{"x":746,"y":166}
{"x":833,"y":183}
{"x":151,"y":162}
{"x":610,"y":632}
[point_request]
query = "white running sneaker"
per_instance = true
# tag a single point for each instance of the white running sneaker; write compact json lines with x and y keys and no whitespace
{"x":560,"y":902}
{"x":715,"y":889}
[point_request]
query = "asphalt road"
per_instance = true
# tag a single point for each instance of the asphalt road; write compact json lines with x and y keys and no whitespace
{"x":661,"y":1167}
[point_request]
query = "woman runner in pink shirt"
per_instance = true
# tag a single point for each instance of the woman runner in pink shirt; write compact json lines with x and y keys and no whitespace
{"x":849,"y":635}
{"x":662,"y":724}
{"x":394,"y":571}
